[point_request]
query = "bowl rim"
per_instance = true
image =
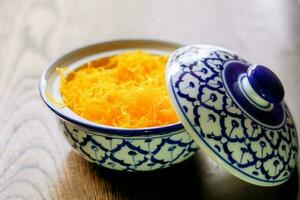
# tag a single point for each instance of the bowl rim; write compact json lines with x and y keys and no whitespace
{"x":106,"y":129}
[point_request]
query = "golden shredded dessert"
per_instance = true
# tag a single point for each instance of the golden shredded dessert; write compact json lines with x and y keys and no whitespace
{"x":126,"y":90}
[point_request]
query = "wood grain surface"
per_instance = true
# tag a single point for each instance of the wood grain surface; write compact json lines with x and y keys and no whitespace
{"x":35,"y":160}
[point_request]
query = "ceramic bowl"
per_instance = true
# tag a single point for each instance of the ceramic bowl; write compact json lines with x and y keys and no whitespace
{"x":140,"y":149}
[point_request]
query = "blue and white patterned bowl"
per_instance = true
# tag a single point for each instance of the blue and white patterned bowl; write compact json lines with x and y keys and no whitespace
{"x":142,"y":149}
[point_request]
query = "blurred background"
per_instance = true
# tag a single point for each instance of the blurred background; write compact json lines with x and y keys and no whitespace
{"x":35,"y":163}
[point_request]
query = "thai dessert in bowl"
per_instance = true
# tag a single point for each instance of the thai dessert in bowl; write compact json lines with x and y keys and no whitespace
{"x":113,"y":103}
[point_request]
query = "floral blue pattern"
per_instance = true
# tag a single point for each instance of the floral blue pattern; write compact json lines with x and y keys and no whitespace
{"x":248,"y":149}
{"x":140,"y":153}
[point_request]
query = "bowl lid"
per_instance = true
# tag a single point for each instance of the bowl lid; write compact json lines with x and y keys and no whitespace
{"x":235,"y":112}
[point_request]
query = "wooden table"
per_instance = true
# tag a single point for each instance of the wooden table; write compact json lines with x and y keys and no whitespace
{"x":35,"y":160}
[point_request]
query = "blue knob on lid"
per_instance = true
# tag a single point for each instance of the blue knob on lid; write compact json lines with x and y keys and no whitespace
{"x":265,"y":83}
